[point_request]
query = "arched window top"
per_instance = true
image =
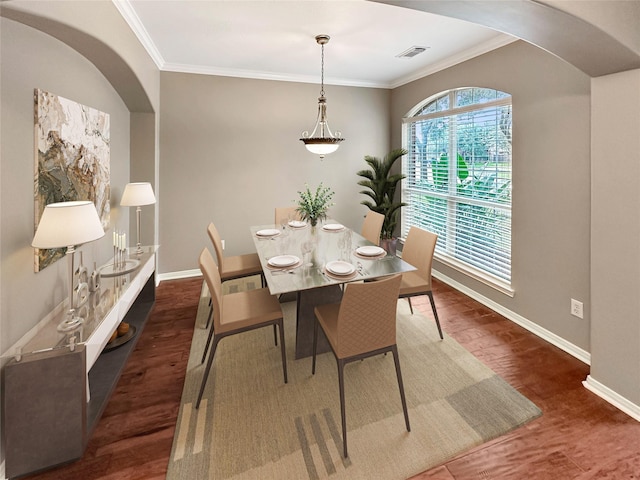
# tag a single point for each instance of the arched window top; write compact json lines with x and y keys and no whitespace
{"x":458,"y":98}
{"x":458,"y":180}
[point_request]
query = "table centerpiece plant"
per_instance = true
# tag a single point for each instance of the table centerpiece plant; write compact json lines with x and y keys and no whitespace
{"x":313,"y":206}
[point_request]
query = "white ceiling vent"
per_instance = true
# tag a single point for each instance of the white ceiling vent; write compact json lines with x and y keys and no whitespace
{"x":411,"y":52}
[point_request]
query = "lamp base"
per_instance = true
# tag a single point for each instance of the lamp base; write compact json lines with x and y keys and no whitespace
{"x":71,"y":322}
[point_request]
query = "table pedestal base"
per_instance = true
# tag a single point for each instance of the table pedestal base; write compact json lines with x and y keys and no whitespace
{"x":307,"y":301}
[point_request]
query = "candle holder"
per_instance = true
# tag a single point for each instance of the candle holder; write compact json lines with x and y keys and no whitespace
{"x":121,"y":264}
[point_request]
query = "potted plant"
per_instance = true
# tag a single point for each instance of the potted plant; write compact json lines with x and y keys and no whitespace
{"x":313,"y":206}
{"x":381,"y":186}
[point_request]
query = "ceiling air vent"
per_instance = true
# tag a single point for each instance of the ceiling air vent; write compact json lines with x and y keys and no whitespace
{"x":411,"y":52}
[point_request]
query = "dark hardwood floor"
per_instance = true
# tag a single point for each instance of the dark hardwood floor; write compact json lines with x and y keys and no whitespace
{"x":579,"y":436}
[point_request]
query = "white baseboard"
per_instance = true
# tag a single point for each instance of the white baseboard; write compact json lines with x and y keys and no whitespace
{"x":615,"y":399}
{"x":534,"y":328}
{"x":178,"y":275}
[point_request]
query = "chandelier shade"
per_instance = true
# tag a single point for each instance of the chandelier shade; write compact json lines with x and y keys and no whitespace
{"x":322,"y":141}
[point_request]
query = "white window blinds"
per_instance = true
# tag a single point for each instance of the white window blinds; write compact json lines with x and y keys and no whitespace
{"x":458,"y":182}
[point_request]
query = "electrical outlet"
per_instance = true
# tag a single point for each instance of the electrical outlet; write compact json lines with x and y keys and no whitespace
{"x":576,"y":308}
{"x":223,"y":244}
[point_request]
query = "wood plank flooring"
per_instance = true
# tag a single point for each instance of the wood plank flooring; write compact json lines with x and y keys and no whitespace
{"x":578,"y":437}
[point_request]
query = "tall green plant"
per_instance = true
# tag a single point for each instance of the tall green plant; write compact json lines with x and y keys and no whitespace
{"x":381,"y":185}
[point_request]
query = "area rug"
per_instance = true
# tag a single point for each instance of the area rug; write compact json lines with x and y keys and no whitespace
{"x":251,"y":425}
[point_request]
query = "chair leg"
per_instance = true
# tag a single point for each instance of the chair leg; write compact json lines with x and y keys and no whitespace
{"x":315,"y":346}
{"x":435,"y":314}
{"x":210,"y":315}
{"x":396,"y":360}
{"x":410,"y":306}
{"x":206,"y":346}
{"x":282,"y":349}
{"x":275,"y":334}
{"x":208,"y":369}
{"x":342,"y":406}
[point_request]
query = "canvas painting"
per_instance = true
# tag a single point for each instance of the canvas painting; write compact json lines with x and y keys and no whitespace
{"x":72,"y":160}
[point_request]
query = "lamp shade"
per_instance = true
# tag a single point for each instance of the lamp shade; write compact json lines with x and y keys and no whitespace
{"x":68,"y":224}
{"x":137,"y":194}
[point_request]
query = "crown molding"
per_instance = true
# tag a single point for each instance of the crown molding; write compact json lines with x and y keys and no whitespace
{"x":131,"y":17}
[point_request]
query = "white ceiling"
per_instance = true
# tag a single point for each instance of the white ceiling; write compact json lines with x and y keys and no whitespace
{"x":275,"y":39}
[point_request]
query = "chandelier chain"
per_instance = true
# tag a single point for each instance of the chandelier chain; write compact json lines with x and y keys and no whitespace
{"x":322,"y":72}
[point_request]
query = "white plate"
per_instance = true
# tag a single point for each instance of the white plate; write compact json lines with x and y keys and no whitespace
{"x":297,"y":224}
{"x":283,"y":260}
{"x":338,"y":267}
{"x":268,"y":232}
{"x":370,"y":251}
{"x":332,"y":227}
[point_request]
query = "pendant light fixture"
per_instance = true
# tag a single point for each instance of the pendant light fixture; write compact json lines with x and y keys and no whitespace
{"x":322,"y":141}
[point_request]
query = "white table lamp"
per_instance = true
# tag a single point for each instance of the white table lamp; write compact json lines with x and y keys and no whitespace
{"x":135,"y":195}
{"x":68,"y":224}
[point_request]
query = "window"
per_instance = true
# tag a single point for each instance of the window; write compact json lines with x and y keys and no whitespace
{"x":458,"y":180}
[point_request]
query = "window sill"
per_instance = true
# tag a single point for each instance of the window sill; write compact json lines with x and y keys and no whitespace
{"x":476,"y":274}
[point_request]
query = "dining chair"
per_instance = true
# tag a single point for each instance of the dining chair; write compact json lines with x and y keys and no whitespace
{"x":235,"y":313}
{"x":363,"y":324}
{"x":418,"y":251}
{"x":372,"y":226}
{"x":237,"y":266}
{"x":233,"y":267}
{"x":284,"y":214}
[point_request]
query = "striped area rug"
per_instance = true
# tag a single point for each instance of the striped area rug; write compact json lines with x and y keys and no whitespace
{"x":250,"y":425}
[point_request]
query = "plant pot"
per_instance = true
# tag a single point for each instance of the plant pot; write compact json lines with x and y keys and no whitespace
{"x":390,"y":245}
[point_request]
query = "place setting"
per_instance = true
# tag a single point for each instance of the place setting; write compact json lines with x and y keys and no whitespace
{"x":340,"y":270}
{"x":283,"y":264}
{"x":268,"y":233}
{"x":297,"y":224}
{"x":370,"y":252}
{"x":333,"y":227}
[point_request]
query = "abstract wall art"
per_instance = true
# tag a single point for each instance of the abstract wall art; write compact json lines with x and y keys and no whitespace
{"x":72,"y":160}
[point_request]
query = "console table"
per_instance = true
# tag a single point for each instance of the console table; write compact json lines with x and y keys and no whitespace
{"x":55,"y":387}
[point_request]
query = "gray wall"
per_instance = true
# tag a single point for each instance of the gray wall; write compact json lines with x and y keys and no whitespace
{"x":32,"y":59}
{"x":144,"y":153}
{"x":551,"y":179}
{"x":615,"y":230}
{"x":96,"y":30}
{"x":230,"y":153}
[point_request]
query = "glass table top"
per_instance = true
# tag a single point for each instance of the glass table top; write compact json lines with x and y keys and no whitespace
{"x":296,"y":259}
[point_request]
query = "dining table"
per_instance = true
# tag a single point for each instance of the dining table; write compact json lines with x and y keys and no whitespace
{"x":312,"y":264}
